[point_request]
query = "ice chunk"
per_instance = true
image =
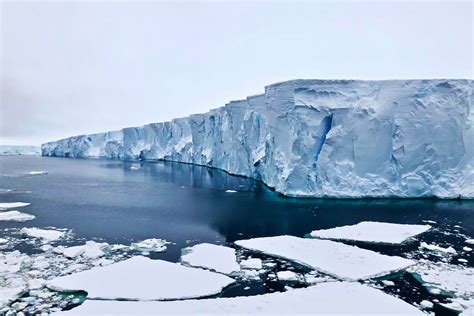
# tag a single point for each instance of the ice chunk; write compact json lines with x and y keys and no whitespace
{"x":90,"y":250}
{"x":326,"y":298}
{"x":47,"y":235}
{"x":230,"y":191}
{"x":388,"y":283}
{"x":469,"y":241}
{"x":213,"y":257}
{"x":449,"y":250}
{"x":3,"y":241}
{"x":140,"y":278}
{"x":333,"y":258}
{"x":373,"y":232}
{"x":152,"y":244}
{"x":35,"y":173}
{"x":251,"y":263}
{"x":15,"y":216}
{"x":426,"y":304}
{"x":13,"y":205}
{"x":287,"y":276}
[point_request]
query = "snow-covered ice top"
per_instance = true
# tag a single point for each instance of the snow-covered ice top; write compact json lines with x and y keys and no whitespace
{"x":372,"y":232}
{"x":7,"y":205}
{"x":333,"y":298}
{"x":15,"y":216}
{"x":319,"y":138}
{"x":213,"y":257}
{"x":140,"y":278}
{"x":47,"y":235}
{"x":333,"y":258}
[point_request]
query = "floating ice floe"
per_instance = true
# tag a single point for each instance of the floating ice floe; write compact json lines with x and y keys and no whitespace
{"x":152,"y":244}
{"x":426,"y":304}
{"x":251,"y":263}
{"x":35,"y":173}
{"x":15,"y":216}
{"x":13,"y":205}
{"x":436,"y":248}
{"x":47,"y":235}
{"x":287,"y":276}
{"x":90,"y":250}
{"x":230,"y":191}
{"x":140,"y":278}
{"x":213,"y":257}
{"x":373,"y":232}
{"x":333,"y":258}
{"x":3,"y":241}
{"x":454,"y":281}
{"x":326,"y":298}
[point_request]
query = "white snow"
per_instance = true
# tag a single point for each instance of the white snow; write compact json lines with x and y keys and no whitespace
{"x":140,"y":278}
{"x":287,"y":276}
{"x":152,"y":244}
{"x":430,"y":247}
{"x":13,"y":205}
{"x":326,"y":298}
{"x":15,"y":216}
{"x":213,"y":257}
{"x":469,"y":241}
{"x":333,"y":258}
{"x":465,"y":248}
{"x":373,"y":232}
{"x":47,"y":235}
{"x":251,"y":263}
{"x":388,"y":283}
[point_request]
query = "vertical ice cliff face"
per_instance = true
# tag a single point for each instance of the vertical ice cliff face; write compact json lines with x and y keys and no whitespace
{"x":319,"y":138}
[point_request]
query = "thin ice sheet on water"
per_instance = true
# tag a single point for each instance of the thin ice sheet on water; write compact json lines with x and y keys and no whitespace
{"x":7,"y":205}
{"x":333,"y":258}
{"x":326,"y":298}
{"x":140,"y":278}
{"x":372,"y":232}
{"x":15,"y":216}
{"x":213,"y":257}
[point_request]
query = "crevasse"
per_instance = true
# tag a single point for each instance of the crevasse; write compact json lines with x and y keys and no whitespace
{"x":319,"y":138}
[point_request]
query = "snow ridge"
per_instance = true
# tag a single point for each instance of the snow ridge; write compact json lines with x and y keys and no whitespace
{"x":319,"y":138}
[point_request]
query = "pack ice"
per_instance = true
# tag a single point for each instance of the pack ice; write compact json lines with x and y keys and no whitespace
{"x":319,"y":138}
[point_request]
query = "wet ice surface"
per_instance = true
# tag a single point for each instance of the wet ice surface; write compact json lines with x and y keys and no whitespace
{"x":105,"y":210}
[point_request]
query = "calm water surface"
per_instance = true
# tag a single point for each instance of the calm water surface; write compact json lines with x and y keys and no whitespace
{"x":185,"y":204}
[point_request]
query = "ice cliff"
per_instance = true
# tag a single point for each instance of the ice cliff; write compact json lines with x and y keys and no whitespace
{"x":319,"y":138}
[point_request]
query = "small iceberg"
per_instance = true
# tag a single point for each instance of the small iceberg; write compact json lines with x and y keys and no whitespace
{"x":230,"y":191}
{"x":373,"y":232}
{"x":140,"y":278}
{"x":212,"y":257}
{"x":251,"y":263}
{"x":15,"y":216}
{"x":47,"y":235}
{"x":90,"y":250}
{"x":436,"y":248}
{"x":13,"y":205}
{"x":329,"y":257}
{"x":326,"y":298}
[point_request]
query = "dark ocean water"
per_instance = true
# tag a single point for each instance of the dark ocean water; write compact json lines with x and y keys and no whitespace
{"x":185,"y":204}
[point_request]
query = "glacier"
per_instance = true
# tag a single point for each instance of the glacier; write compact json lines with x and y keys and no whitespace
{"x":319,"y":138}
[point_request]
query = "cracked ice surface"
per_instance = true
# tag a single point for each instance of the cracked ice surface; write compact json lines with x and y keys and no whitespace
{"x":213,"y":257}
{"x":140,"y":278}
{"x":320,"y":138}
{"x":333,"y":258}
{"x":325,"y":298}
{"x":372,"y":232}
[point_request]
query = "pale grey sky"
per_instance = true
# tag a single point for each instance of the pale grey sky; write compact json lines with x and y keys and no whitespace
{"x":69,"y":68}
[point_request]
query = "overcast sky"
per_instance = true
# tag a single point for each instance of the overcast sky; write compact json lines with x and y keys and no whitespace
{"x":91,"y":66}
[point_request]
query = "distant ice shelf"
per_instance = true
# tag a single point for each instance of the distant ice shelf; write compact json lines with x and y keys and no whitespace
{"x":319,"y":138}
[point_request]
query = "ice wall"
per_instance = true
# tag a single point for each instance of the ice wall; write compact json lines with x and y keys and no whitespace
{"x":319,"y":138}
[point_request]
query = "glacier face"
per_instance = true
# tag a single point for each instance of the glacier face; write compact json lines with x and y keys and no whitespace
{"x":319,"y":138}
